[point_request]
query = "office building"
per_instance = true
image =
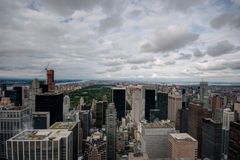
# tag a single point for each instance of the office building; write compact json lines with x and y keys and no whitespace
{"x":41,"y":144}
{"x":196,"y":113}
{"x":154,"y":138}
{"x":50,"y":102}
{"x":13,"y":119}
{"x":162,"y":104}
{"x":111,"y":131}
{"x":182,"y":146}
{"x":204,"y":97}
{"x":211,"y":139}
{"x":149,"y":102}
{"x":66,"y":104}
{"x":99,"y":114}
{"x":70,"y":126}
{"x":96,"y":147}
{"x":15,"y":95}
{"x":85,"y":119}
{"x":183,"y":120}
{"x":41,"y":120}
{"x":50,"y":80}
{"x":134,"y":98}
{"x":217,"y":102}
{"x":119,"y":99}
{"x":105,"y":104}
{"x":234,"y":141}
{"x":174,"y":104}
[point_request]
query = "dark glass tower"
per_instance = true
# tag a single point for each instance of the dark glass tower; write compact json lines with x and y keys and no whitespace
{"x":119,"y":100}
{"x":51,"y":102}
{"x":234,"y":141}
{"x":162,"y":104}
{"x":149,"y":102}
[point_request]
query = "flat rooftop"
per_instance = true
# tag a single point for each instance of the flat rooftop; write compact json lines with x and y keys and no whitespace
{"x":183,"y":137}
{"x":159,"y":124}
{"x":63,"y":125}
{"x":41,"y":135}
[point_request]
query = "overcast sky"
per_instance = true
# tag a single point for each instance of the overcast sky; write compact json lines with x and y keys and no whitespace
{"x":121,"y":39}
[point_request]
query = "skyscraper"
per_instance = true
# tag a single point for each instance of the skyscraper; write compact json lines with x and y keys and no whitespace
{"x":174,"y":104}
{"x":41,"y":144}
{"x":119,"y":100}
{"x":149,"y":102}
{"x":196,"y":113}
{"x":154,"y":138}
{"x":162,"y":104}
{"x":41,"y":120}
{"x":228,"y":116}
{"x":211,"y":139}
{"x":50,"y":80}
{"x":234,"y":141}
{"x":15,"y":95}
{"x":204,"y":94}
{"x":111,"y":131}
{"x":66,"y":104}
{"x":182,"y":146}
{"x":51,"y":102}
{"x":99,"y":114}
{"x":12,"y":121}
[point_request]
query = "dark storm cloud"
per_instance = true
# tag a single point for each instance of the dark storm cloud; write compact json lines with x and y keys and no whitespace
{"x":226,"y":19}
{"x":221,"y":48}
{"x":170,"y":40}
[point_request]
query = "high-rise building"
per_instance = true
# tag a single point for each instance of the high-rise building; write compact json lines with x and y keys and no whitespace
{"x":183,"y":120}
{"x":99,"y":114}
{"x":134,"y":98}
{"x":196,"y":113}
{"x":15,"y":95}
{"x":234,"y":141}
{"x":174,"y":104}
{"x":182,"y":146}
{"x":204,"y":94}
{"x":154,"y":138}
{"x":70,"y":126}
{"x":12,"y":121}
{"x":41,"y":120}
{"x":66,"y":104}
{"x":41,"y":144}
{"x":105,"y":104}
{"x":217,"y":102}
{"x":96,"y":147}
{"x":119,"y":99}
{"x":50,"y":80}
{"x":111,"y":131}
{"x":85,"y":119}
{"x":211,"y":139}
{"x":51,"y":102}
{"x":228,"y":116}
{"x":149,"y":102}
{"x":162,"y":104}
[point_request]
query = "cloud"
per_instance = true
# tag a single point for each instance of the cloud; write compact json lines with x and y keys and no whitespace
{"x":170,"y":63}
{"x":180,"y":5}
{"x":184,"y":56}
{"x":231,"y":19}
{"x":198,"y":53}
{"x":170,"y":40}
{"x":219,"y":65}
{"x":113,"y":62}
{"x":221,"y":48}
{"x":113,"y":21}
{"x":109,"y":70}
{"x":140,"y":60}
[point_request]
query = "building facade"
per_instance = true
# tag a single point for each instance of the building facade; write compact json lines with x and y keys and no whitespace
{"x":12,"y":121}
{"x":154,"y":138}
{"x":182,"y":146}
{"x":234,"y":141}
{"x":119,"y":100}
{"x":174,"y":104}
{"x":111,"y":131}
{"x":41,"y":144}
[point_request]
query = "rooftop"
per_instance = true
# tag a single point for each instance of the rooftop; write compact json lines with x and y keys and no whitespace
{"x":42,"y":134}
{"x":159,"y":124}
{"x":63,"y":125}
{"x":11,"y":107}
{"x":183,"y":137}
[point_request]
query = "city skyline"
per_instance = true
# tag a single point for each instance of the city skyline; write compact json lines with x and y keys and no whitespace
{"x":110,"y":39}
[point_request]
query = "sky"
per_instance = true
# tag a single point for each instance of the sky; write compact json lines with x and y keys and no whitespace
{"x":121,"y":39}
